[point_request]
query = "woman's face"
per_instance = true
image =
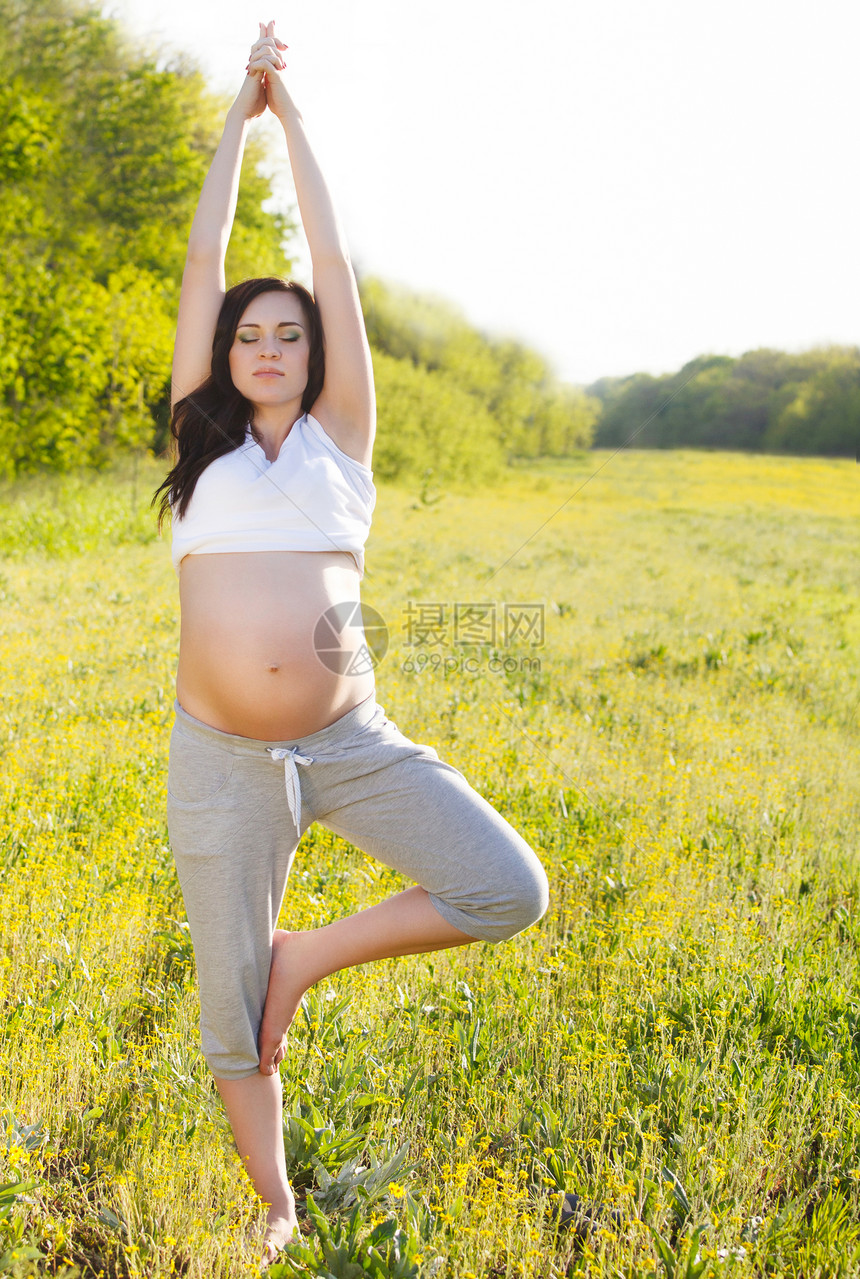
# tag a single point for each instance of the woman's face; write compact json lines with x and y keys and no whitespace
{"x":269,"y":355}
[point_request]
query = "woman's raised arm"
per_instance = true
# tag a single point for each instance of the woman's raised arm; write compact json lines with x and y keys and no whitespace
{"x":346,"y":406}
{"x":203,"y":281}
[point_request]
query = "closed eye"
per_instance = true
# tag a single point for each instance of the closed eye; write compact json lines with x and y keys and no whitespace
{"x":293,"y":336}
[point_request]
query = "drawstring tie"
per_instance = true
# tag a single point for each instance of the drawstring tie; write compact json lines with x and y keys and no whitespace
{"x":291,"y":756}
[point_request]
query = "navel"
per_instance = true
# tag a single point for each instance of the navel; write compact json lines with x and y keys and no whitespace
{"x":273,"y":668}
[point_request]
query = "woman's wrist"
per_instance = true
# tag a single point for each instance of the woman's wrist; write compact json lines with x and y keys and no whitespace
{"x":249,"y":102}
{"x":286,"y":112}
{"x":238,"y":112}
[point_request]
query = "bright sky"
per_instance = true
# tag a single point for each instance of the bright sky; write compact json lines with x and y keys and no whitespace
{"x":621,"y":185}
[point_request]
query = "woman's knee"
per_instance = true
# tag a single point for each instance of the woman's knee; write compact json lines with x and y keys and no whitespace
{"x":498,"y":908}
{"x":528,"y":899}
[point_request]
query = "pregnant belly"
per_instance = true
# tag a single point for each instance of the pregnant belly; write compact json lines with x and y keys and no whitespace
{"x":270,"y":646}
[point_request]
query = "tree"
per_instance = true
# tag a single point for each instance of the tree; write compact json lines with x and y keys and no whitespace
{"x":764,"y":400}
{"x":429,"y":425}
{"x":102,"y":156}
{"x":824,"y":415}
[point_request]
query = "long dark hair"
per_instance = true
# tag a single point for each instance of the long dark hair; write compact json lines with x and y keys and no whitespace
{"x":211,"y":420}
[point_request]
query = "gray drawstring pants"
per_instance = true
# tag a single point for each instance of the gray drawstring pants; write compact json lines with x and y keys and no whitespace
{"x":237,"y":808}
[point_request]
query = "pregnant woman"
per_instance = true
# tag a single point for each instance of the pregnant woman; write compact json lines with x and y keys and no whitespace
{"x":271,"y":496}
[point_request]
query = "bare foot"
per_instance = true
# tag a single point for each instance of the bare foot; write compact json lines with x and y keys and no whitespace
{"x":289,"y":978}
{"x":280,"y":1230}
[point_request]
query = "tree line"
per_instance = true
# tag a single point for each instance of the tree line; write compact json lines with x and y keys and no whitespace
{"x":764,"y":401}
{"x":103,"y":150}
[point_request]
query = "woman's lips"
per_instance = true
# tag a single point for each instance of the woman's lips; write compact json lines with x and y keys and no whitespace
{"x":268,"y":373}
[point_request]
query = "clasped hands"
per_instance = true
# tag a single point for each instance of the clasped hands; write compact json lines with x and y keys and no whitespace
{"x":264,"y":85}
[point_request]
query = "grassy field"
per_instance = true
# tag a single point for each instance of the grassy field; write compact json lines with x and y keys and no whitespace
{"x":676,"y":1041}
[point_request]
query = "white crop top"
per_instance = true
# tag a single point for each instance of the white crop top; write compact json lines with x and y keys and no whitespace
{"x":313,"y":497}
